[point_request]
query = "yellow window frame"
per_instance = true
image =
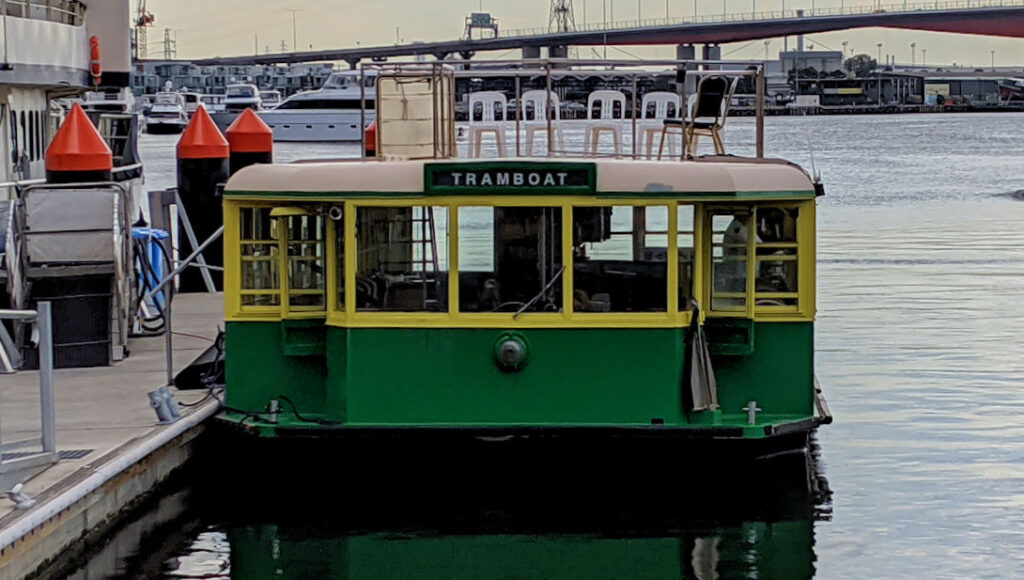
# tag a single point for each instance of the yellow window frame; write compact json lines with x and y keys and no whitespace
{"x":233,"y":291}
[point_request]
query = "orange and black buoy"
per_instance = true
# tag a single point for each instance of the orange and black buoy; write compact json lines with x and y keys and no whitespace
{"x":251,"y":141}
{"x":370,"y":139}
{"x":78,"y":154}
{"x":202,"y":167}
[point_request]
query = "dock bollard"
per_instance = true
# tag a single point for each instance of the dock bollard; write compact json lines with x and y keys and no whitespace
{"x":78,"y":154}
{"x":202,"y":166}
{"x":250,"y":141}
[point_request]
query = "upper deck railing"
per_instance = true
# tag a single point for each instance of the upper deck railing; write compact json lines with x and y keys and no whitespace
{"x":70,"y":12}
{"x":551,"y":75}
{"x":756,"y":16}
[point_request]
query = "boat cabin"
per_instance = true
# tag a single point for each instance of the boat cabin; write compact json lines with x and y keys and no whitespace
{"x":594,"y":295}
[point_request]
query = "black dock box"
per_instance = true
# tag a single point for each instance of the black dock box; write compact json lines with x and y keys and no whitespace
{"x":80,"y":307}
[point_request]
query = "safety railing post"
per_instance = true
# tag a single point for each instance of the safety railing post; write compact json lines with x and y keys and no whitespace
{"x":46,"y":402}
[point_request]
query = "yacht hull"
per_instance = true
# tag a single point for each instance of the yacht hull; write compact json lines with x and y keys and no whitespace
{"x":317,"y":126}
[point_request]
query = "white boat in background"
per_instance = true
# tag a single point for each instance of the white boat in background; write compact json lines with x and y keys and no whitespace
{"x":213,"y":103}
{"x":240,"y":97}
{"x":270,"y":99}
{"x":330,"y":113}
{"x":167,"y":116}
{"x":192,"y":102}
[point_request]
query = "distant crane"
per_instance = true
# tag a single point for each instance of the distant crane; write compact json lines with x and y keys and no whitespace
{"x":143,"y":20}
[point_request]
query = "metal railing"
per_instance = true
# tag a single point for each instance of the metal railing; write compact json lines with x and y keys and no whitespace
{"x":70,"y":12}
{"x":754,"y":15}
{"x":22,"y":459}
{"x":633,"y":70}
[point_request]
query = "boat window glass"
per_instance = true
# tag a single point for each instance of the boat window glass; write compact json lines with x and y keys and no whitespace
{"x":617,"y":265}
{"x":33,"y":147}
{"x":510,"y":259}
{"x":14,"y":137}
{"x":684,"y":239}
{"x":402,"y":259}
{"x":729,"y":235}
{"x":776,"y":251}
{"x":339,"y":255}
{"x":306,"y":262}
{"x":25,"y":151}
{"x":260,"y":257}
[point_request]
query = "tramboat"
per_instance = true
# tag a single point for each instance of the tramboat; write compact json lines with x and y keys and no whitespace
{"x":497,"y":299}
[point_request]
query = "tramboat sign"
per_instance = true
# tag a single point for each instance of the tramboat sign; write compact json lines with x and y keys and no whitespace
{"x":513,"y":178}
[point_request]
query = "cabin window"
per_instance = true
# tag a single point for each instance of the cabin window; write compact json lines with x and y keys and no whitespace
{"x":402,"y":259}
{"x":620,"y":259}
{"x":338,"y":218}
{"x":260,"y":258}
{"x":510,"y":259}
{"x":776,"y":251}
{"x":684,"y":240}
{"x":729,"y":243}
{"x":306,"y":262}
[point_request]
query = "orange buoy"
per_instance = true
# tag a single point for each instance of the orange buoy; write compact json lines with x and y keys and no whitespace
{"x":78,"y":154}
{"x":95,"y":65}
{"x":202,"y":139}
{"x":202,"y":167}
{"x":370,"y":139}
{"x":251,"y":141}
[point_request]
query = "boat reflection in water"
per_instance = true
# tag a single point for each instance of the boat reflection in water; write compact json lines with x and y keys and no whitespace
{"x":655,"y":523}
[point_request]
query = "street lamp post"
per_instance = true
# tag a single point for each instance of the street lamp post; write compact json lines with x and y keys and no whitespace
{"x":924,"y":57}
{"x":913,"y":57}
{"x":766,"y":43}
{"x":879,"y":45}
{"x":295,"y":45}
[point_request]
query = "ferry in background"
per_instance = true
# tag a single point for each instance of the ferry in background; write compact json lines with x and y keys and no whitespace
{"x":167,"y":115}
{"x":333,"y":112}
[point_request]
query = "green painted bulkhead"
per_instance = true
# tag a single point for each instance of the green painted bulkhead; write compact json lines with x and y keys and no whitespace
{"x":431,"y":377}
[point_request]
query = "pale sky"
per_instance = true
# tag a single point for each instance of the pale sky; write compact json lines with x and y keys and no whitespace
{"x":231,"y":27}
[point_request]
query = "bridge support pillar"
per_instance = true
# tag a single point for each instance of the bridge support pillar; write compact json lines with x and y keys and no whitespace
{"x":531,"y":52}
{"x":687,"y":52}
{"x":712,"y":52}
{"x":353,"y":63}
{"x":558,"y":51}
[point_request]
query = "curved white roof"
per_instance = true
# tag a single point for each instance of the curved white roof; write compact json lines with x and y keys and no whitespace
{"x":711,"y":175}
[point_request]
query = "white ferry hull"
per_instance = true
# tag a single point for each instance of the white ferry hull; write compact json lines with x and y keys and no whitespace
{"x":318,"y":126}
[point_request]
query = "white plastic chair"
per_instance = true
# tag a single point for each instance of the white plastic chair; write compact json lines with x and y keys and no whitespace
{"x":656,"y":107}
{"x":488,"y":123}
{"x":537,"y":101}
{"x":608,"y":121}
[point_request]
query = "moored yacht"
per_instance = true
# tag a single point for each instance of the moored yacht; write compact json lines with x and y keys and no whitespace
{"x":331,"y":113}
{"x":270,"y":99}
{"x":240,"y":97}
{"x":167,"y":115}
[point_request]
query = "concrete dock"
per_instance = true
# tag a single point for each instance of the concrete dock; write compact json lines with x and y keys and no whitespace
{"x":112,"y":449}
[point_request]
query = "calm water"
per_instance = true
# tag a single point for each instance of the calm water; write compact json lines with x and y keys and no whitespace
{"x":920,"y":328}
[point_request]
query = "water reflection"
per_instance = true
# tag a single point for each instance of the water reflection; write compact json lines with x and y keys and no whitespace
{"x":609,"y":521}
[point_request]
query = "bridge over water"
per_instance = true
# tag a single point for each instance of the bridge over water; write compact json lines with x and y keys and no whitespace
{"x":984,"y":17}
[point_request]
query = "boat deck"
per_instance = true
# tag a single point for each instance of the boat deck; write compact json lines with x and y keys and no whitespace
{"x":103,"y":416}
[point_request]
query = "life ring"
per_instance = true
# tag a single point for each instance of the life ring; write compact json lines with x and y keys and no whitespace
{"x":95,"y":68}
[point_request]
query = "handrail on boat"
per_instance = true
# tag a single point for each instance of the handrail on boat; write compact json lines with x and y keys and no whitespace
{"x":554,"y":68}
{"x":70,"y":12}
